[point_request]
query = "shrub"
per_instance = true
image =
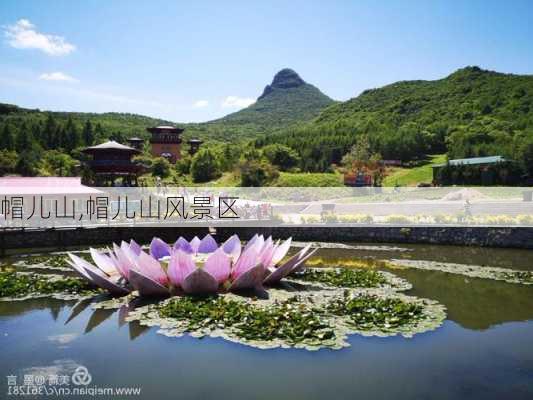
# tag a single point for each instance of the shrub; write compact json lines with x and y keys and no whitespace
{"x":257,"y":173}
{"x":282,"y":156}
{"x":205,"y":166}
{"x":161,"y":167}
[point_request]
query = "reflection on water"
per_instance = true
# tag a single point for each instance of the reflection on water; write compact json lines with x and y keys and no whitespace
{"x":502,"y":258}
{"x":472,"y":302}
{"x":483,"y":351}
{"x":100,"y":315}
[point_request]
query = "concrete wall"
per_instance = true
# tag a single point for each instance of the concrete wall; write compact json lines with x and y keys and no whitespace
{"x":466,"y":236}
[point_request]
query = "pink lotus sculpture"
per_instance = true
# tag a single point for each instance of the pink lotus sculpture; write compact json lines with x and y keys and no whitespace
{"x":198,"y":266}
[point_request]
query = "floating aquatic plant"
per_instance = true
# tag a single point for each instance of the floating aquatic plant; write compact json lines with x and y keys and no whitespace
{"x":322,"y":316}
{"x":367,"y":311}
{"x":287,"y":320}
{"x":473,"y":271}
{"x":198,"y":266}
{"x":344,"y":277}
{"x":15,"y":285}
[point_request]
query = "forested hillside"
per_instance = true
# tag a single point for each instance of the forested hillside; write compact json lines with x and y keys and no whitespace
{"x":286,"y":101}
{"x":472,"y":112}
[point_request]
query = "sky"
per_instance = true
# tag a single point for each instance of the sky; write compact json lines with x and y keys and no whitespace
{"x":188,"y":61}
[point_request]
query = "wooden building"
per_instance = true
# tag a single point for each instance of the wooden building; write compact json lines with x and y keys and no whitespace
{"x":136,"y":143}
{"x":166,"y":142}
{"x":112,"y":160}
{"x":194,"y":145}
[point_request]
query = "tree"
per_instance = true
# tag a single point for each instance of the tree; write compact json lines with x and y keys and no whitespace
{"x":359,"y":154}
{"x":256,"y":173}
{"x":50,"y":132}
{"x":7,"y":140}
{"x":205,"y":166}
{"x":230,"y":156}
{"x":25,"y":141}
{"x":99,"y":134}
{"x":72,"y":136}
{"x":88,"y":134}
{"x":27,"y":162}
{"x":55,"y":163}
{"x":183,"y":165}
{"x":282,"y":156}
{"x":8,"y":161}
{"x":161,"y":167}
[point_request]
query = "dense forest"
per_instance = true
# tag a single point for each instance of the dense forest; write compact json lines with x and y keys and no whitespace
{"x":472,"y":112}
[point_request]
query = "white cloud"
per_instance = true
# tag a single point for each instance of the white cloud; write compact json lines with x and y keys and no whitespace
{"x":57,"y":76}
{"x":200,"y":104}
{"x":23,"y":35}
{"x":237,"y":102}
{"x":63,"y":339}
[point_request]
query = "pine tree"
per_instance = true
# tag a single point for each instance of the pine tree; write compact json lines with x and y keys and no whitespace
{"x":72,"y":135}
{"x":25,"y":141}
{"x":88,"y":134}
{"x":99,"y":134}
{"x":60,"y":138}
{"x":37,"y":133}
{"x":7,"y":140}
{"x":50,"y":132}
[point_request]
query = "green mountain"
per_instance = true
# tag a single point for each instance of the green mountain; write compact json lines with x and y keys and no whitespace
{"x":286,"y":101}
{"x":117,"y":125}
{"x":472,"y":112}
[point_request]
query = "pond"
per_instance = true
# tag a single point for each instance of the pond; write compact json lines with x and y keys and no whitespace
{"x":482,"y":350}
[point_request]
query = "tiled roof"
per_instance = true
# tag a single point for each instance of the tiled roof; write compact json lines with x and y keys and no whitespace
{"x":473,"y":161}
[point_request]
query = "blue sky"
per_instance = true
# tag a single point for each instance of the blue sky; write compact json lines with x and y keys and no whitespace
{"x":195,"y":61}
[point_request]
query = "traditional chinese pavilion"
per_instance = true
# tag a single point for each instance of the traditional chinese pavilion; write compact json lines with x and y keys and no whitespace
{"x":166,"y":142}
{"x":112,"y":160}
{"x":194,"y":145}
{"x":136,"y":142}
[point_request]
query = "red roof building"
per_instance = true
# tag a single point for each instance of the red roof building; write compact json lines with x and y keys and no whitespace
{"x":166,"y":142}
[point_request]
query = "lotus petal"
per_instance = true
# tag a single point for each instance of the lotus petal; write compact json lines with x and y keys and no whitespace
{"x":129,"y":253}
{"x":183,"y":244}
{"x":150,"y":267}
{"x":79,"y":265}
{"x":251,"y":279}
{"x":251,"y":241}
{"x":122,"y":261}
{"x":266,"y":253}
{"x":135,"y":247}
{"x":180,"y":266}
{"x":287,"y":268}
{"x":233,"y":247}
{"x":103,"y":262}
{"x":159,"y":249}
{"x":195,"y":243}
{"x":200,"y":281}
{"x":105,"y":283}
{"x":257,"y":241}
{"x":300,"y":265}
{"x":116,"y":262}
{"x":248,"y":259}
{"x":146,"y":286}
{"x":281,"y":251}
{"x":218,"y":265}
{"x":207,"y":245}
